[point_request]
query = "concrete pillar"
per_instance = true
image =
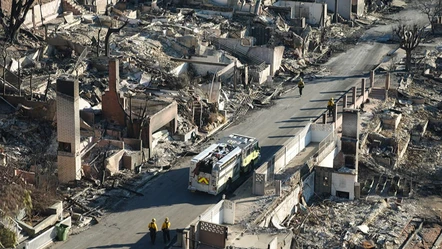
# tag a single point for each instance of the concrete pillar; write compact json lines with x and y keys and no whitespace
{"x":114,"y":74}
{"x":371,"y":78}
{"x":278,"y":187}
{"x":357,"y":190}
{"x":149,"y":136}
{"x":336,"y":12}
{"x":335,"y":111}
{"x":344,"y":101}
{"x":179,"y":237}
{"x":246,"y":75}
{"x":324,"y":118}
{"x":387,"y":82}
{"x":353,"y":97}
{"x":363,"y":90}
{"x":185,"y":239}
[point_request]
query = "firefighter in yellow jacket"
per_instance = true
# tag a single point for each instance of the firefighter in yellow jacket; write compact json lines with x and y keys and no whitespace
{"x":331,"y":106}
{"x":166,"y":230}
{"x":153,"y":230}
{"x":301,"y":86}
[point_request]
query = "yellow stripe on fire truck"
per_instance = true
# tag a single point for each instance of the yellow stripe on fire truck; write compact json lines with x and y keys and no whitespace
{"x":203,"y":180}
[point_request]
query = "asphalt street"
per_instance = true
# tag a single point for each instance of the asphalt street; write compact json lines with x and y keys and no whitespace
{"x":167,"y":195}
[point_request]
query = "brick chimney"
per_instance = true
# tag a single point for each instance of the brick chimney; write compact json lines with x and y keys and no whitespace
{"x":112,"y":105}
{"x":114,"y":74}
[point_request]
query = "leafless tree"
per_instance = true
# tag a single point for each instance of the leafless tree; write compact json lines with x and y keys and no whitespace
{"x":98,"y":36}
{"x":410,"y":37}
{"x":431,"y":8}
{"x":110,"y":31}
{"x":12,"y":23}
{"x":4,"y":56}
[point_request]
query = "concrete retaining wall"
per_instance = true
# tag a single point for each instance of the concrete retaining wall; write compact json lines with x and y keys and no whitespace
{"x":284,"y":209}
{"x":264,"y":174}
{"x":311,"y":133}
{"x":44,"y":239}
{"x":221,"y":213}
{"x":308,"y":186}
{"x":214,"y":214}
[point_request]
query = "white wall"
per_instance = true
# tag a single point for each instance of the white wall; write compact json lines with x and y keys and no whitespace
{"x":306,"y":136}
{"x":221,"y":213}
{"x":202,"y":69}
{"x":344,"y":183}
{"x":314,"y":10}
{"x":260,"y":77}
{"x":229,"y":212}
{"x":298,"y":143}
{"x":327,"y":162}
{"x":285,"y":208}
{"x":49,"y":11}
{"x":45,"y":238}
{"x":272,"y":56}
{"x":214,"y":214}
{"x":360,"y":5}
{"x":281,"y":161}
{"x":321,"y":131}
{"x":344,"y":7}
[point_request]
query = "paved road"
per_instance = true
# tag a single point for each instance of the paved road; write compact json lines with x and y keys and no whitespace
{"x":168,"y":195}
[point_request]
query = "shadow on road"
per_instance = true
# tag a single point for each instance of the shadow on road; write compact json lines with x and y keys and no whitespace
{"x":168,"y":189}
{"x":305,"y":117}
{"x":341,"y":92}
{"x":291,"y":127}
{"x":293,"y":121}
{"x":319,"y":100}
{"x":282,"y":136}
{"x":143,"y":243}
{"x":312,"y":108}
{"x":339,"y":77}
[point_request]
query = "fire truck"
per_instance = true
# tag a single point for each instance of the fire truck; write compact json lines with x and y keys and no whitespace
{"x":214,"y":169}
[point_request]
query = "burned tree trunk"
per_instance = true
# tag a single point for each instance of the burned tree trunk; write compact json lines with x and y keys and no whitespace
{"x":4,"y":56}
{"x":11,"y":24}
{"x":410,"y":37}
{"x":110,"y":31}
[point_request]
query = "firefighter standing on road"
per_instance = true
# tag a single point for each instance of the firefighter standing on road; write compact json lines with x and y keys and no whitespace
{"x":166,"y":230}
{"x":153,"y":231}
{"x":331,"y":106}
{"x":301,"y":86}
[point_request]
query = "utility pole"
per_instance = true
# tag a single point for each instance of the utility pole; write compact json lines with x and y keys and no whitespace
{"x":19,"y":80}
{"x":30,"y":85}
{"x":234,"y":76}
{"x":336,"y":11}
{"x":4,"y":55}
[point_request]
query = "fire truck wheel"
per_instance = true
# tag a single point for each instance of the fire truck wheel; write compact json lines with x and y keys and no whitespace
{"x":251,"y":166}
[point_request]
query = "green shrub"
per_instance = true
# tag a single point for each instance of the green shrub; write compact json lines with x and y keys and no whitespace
{"x":8,"y":238}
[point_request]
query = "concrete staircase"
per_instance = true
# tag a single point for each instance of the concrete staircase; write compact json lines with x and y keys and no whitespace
{"x":76,"y":9}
